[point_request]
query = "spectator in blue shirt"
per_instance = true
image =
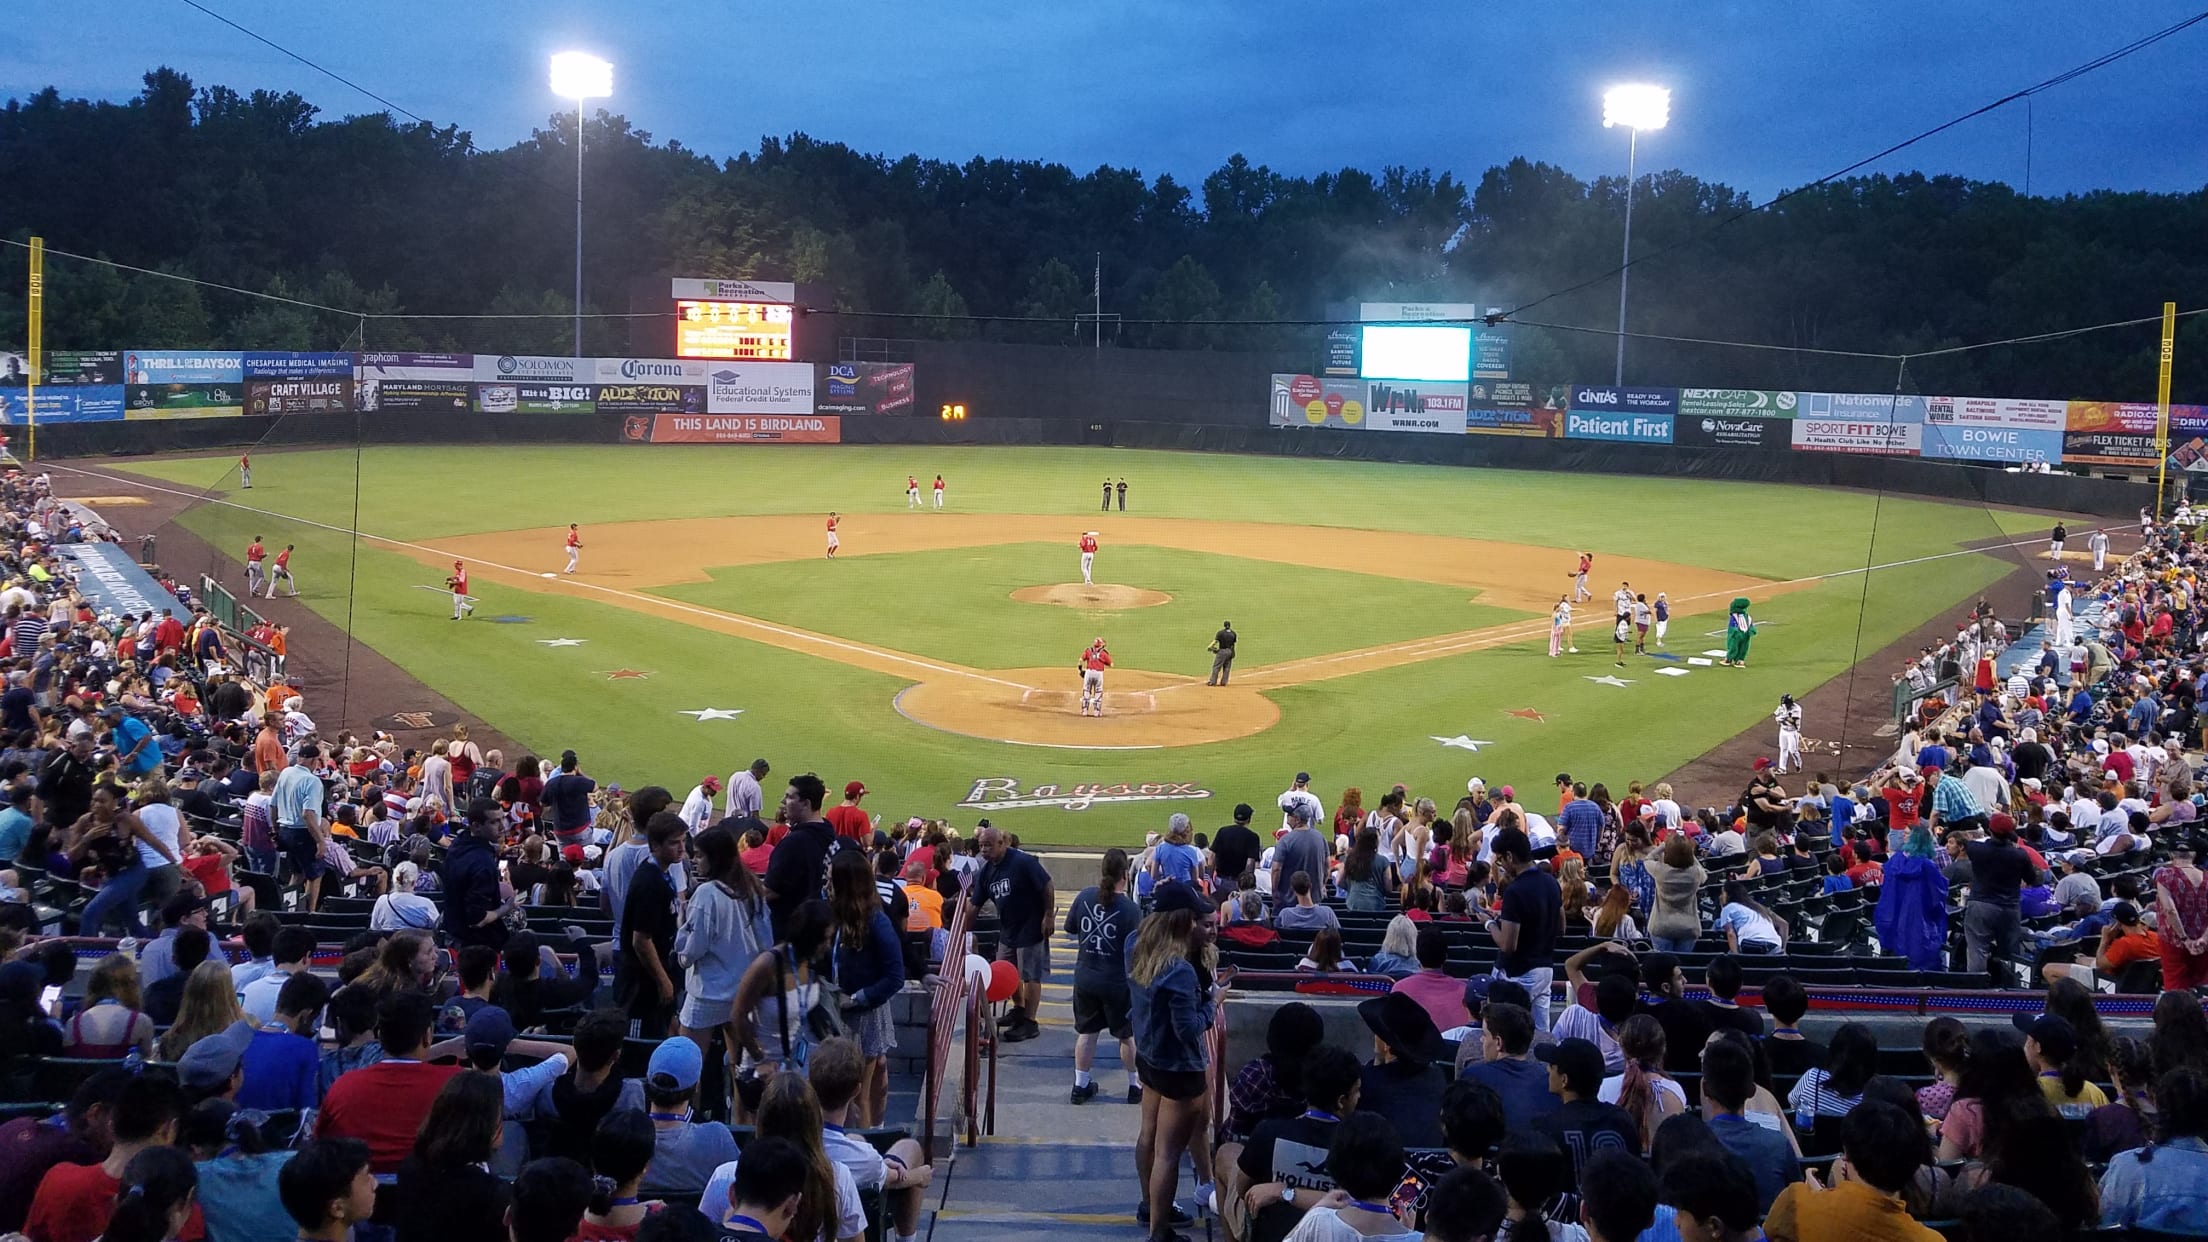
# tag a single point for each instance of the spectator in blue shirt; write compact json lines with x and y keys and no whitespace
{"x":2164,"y":1185}
{"x":1728,"y":1081}
{"x":1581,"y":822}
{"x":1933,"y":755}
{"x":2081,"y":706}
{"x":15,"y":823}
{"x":136,"y":753}
{"x":283,"y":1064}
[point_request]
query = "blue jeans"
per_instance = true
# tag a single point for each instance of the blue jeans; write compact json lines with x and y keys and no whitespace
{"x":1539,"y":984}
{"x":118,"y":899}
{"x":1674,"y":944}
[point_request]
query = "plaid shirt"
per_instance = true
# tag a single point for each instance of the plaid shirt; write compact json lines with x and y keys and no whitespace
{"x":1953,"y":801}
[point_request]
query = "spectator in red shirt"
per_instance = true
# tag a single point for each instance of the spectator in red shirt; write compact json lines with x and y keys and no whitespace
{"x":74,"y":1200}
{"x":384,"y":1104}
{"x":168,"y":636}
{"x":2118,"y":759}
{"x":31,"y":1146}
{"x":1903,"y":793}
{"x":847,"y":819}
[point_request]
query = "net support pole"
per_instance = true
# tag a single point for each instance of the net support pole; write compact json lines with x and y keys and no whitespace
{"x":35,"y":345}
{"x":2162,"y":405}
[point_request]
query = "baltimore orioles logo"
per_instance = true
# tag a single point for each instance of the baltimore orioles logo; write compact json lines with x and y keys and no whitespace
{"x":636,"y":427}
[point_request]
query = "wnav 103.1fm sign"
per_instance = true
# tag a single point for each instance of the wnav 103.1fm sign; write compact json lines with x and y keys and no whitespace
{"x":1005,"y":793}
{"x":732,"y":429}
{"x":1416,"y":407}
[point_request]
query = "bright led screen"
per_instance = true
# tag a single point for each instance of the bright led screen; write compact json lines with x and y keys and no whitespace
{"x":1422,"y":353}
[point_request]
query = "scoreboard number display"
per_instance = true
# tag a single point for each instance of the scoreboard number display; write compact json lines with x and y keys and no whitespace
{"x":740,"y":331}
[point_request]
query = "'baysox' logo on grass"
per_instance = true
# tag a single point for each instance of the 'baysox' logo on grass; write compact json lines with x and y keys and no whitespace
{"x":1002,"y":793}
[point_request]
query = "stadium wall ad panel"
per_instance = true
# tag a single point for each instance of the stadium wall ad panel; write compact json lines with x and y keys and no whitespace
{"x":1539,"y":424}
{"x":101,"y":367}
{"x":1308,"y":401}
{"x":1865,"y":438}
{"x":864,"y":388}
{"x":1625,"y":428}
{"x":732,"y":429}
{"x":151,"y":401}
{"x":759,"y":388}
{"x":2023,"y":415}
{"x":1728,"y":431}
{"x":325,"y":395}
{"x":1736,"y":403}
{"x":264,"y":365}
{"x":2013,"y":445}
{"x":175,"y":366}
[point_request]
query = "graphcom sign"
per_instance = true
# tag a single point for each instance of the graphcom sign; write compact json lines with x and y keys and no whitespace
{"x":760,"y":388}
{"x":1717,"y":431}
{"x":1735,"y":403}
{"x":1308,"y":401}
{"x":1627,"y":428}
{"x":442,"y":368}
{"x":2003,"y":444}
{"x":732,"y":429}
{"x":1415,"y":407}
{"x":866,"y":388}
{"x":1604,"y":400}
{"x":1996,"y":412}
{"x":1004,"y":793}
{"x":1873,"y":438}
{"x":170,"y":366}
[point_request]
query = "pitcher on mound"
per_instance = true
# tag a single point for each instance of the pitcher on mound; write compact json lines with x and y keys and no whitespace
{"x":1093,"y":663}
{"x":1088,"y":556}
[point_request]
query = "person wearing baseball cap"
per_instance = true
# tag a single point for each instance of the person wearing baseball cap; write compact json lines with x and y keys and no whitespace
{"x":214,"y":1066}
{"x":697,"y":809}
{"x":1999,"y":870}
{"x":685,"y":1153}
{"x":1583,"y":1124}
{"x":1234,"y":848}
{"x":847,"y":819}
{"x":2051,"y":1046}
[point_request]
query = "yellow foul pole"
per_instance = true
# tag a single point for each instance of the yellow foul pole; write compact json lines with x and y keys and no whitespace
{"x":35,"y":346}
{"x":2162,"y":405}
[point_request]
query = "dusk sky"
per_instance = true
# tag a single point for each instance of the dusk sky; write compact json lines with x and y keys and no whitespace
{"x":1765,"y":95}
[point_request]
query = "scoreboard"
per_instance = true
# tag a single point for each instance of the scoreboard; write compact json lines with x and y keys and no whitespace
{"x":741,"y":331}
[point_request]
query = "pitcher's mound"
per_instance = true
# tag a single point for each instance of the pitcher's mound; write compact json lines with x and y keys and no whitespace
{"x":1101,"y":595}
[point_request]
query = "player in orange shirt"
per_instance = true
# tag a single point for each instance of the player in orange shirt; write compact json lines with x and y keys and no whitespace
{"x":833,"y":542}
{"x":574,"y":546}
{"x":457,"y":583}
{"x":1093,"y":663}
{"x":282,"y":569}
{"x":1088,"y":555}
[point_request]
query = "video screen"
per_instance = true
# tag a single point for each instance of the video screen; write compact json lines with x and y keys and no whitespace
{"x":1420,"y":353}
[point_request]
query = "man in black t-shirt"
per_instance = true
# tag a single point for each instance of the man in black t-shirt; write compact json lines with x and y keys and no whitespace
{"x":799,"y":865}
{"x":1664,"y":988}
{"x":1999,"y":869}
{"x":1583,"y":1126}
{"x":1282,"y":1170}
{"x":648,"y":929}
{"x":1722,"y":1011}
{"x":1527,"y":927}
{"x":1233,"y":848}
{"x":1020,"y":888}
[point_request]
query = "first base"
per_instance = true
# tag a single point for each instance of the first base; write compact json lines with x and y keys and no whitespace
{"x":548,"y":574}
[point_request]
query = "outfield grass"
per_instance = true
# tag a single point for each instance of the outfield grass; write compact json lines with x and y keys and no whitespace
{"x":805,"y":713}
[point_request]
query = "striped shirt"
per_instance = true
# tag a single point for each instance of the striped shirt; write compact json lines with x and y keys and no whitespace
{"x":29,"y":628}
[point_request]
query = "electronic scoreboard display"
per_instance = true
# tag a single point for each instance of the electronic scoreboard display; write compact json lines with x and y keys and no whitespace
{"x":743,"y":331}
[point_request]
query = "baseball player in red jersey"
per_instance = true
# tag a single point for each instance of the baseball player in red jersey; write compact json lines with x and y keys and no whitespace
{"x":1093,"y":663}
{"x":1579,"y":578}
{"x":833,"y":542}
{"x":574,"y":546}
{"x":912,"y":492}
{"x":457,"y":581}
{"x":282,"y":569}
{"x":254,"y":555}
{"x":939,"y":491}
{"x":245,"y":471}
{"x":1088,"y":555}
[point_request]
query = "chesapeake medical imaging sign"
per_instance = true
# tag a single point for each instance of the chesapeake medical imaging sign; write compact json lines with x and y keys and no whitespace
{"x":112,"y":581}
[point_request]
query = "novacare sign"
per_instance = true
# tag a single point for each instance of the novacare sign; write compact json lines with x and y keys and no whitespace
{"x":1630,"y":428}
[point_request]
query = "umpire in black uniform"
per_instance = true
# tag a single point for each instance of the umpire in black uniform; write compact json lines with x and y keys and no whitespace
{"x":1222,"y":654}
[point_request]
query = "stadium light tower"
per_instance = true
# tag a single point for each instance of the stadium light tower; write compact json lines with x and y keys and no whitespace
{"x":1637,"y":108}
{"x":580,"y":76}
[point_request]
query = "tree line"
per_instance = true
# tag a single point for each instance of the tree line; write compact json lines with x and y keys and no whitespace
{"x":365,"y":213}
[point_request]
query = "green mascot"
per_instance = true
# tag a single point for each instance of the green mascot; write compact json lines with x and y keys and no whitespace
{"x":1739,"y":628}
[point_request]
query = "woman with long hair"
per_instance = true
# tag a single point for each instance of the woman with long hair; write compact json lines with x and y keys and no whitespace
{"x":2180,"y":1039}
{"x":1418,"y":892}
{"x":1414,"y":841}
{"x":1629,"y":866}
{"x":1675,"y":918}
{"x":779,"y":987}
{"x":1911,"y":915}
{"x":1947,"y":1049}
{"x":869,"y":964}
{"x":829,"y":1206}
{"x":1167,"y":978}
{"x":1350,"y":815}
{"x":724,"y":927}
{"x":209,"y":1004}
{"x":2124,"y":1122}
{"x":238,"y":1169}
{"x":112,"y":1023}
{"x":2155,"y":1185}
{"x":2027,"y":1146}
{"x":160,"y":1188}
{"x":1748,"y":927}
{"x":1643,"y":1090}
{"x":445,"y":1187}
{"x":1571,"y":878}
{"x":1398,"y":955}
{"x":1613,"y":919}
{"x":1996,"y":1077}
{"x":114,"y":839}
{"x":407,"y":961}
{"x":1366,"y":880}
{"x":1836,"y":1087}
{"x":1325,"y":955}
{"x":2068,"y":999}
{"x":620,"y":1150}
{"x":1613,"y":825}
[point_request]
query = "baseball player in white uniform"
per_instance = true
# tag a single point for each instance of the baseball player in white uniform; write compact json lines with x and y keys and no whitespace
{"x":2098,"y":543}
{"x":1789,"y":715}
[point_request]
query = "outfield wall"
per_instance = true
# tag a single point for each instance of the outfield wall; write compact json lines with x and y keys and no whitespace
{"x":1913,"y":476}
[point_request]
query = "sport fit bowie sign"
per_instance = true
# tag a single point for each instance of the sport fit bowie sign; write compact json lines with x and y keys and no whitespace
{"x":1005,"y":793}
{"x":732,"y":429}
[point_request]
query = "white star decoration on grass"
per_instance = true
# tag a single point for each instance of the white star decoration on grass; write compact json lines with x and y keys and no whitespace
{"x":1460,"y":742}
{"x":561,"y":642}
{"x":704,"y":714}
{"x":1612,"y":680}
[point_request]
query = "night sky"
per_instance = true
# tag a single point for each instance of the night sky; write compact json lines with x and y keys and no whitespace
{"x":1766,"y":95}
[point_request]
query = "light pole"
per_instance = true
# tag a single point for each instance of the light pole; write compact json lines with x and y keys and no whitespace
{"x":1637,"y":108}
{"x":580,"y":76}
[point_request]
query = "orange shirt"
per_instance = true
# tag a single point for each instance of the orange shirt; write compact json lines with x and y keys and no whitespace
{"x":927,"y":908}
{"x":2144,"y":947}
{"x":574,"y":539}
{"x":268,"y":752}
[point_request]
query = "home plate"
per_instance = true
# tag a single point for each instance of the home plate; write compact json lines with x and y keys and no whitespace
{"x":1698,"y":660}
{"x":1674,"y":672}
{"x":548,"y":574}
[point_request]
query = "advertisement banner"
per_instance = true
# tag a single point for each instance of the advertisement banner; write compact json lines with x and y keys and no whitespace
{"x":1735,"y":403}
{"x":1599,"y":399}
{"x":864,"y":388}
{"x":1994,"y":412}
{"x":1545,"y":424}
{"x":1866,"y":407}
{"x":731,"y":429}
{"x":106,"y":575}
{"x":1341,"y":351}
{"x":734,"y":290}
{"x":143,"y":401}
{"x":82,"y":366}
{"x":1490,"y":353}
{"x":518,"y":369}
{"x":2134,"y":418}
{"x":1415,"y":407}
{"x":300,"y":396}
{"x":648,"y":398}
{"x":1950,"y":442}
{"x":1416,"y":312}
{"x":1308,"y":401}
{"x":1501,"y":393}
{"x":534,"y":399}
{"x":269,"y":365}
{"x":435,"y":368}
{"x":1626,"y":428}
{"x":1873,"y":437}
{"x":2108,"y":448}
{"x":69,"y":403}
{"x":651,"y":371}
{"x":760,"y":388}
{"x":182,"y":366}
{"x":1722,"y":431}
{"x":372,"y":396}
